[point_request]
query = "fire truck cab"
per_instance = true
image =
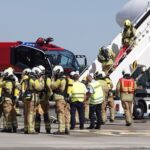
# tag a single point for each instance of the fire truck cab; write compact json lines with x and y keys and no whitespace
{"x":21,"y":55}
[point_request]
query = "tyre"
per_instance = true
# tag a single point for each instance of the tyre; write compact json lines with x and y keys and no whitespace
{"x":139,"y":110}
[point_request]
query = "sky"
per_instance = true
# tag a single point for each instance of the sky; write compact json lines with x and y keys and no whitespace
{"x":81,"y":26}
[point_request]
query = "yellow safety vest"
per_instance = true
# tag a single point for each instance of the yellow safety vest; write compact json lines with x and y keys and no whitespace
{"x":78,"y":92}
{"x":98,"y":96}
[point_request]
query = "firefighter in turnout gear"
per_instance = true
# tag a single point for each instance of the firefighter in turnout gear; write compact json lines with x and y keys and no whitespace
{"x":28,"y":103}
{"x":1,"y":108}
{"x":128,"y":35}
{"x":100,"y":76}
{"x":106,"y":57}
{"x":45,"y":95}
{"x":59,"y":87}
{"x":10,"y":95}
{"x":126,"y":87}
{"x":36,"y":85}
{"x":110,"y":99}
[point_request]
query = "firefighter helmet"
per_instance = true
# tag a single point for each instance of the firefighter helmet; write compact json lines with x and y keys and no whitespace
{"x":42,"y":68}
{"x":7,"y":73}
{"x":100,"y":73}
{"x":58,"y":69}
{"x":127,"y":23}
{"x":36,"y":71}
{"x":103,"y":49}
{"x":127,"y":72}
{"x":26,"y":71}
{"x":72,"y":73}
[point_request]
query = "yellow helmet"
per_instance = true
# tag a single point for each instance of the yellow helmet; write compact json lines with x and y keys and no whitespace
{"x":127,"y":23}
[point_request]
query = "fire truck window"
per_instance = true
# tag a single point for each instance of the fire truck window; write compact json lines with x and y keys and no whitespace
{"x":22,"y":57}
{"x":37,"y":58}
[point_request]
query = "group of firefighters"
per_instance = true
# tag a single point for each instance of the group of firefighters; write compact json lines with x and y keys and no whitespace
{"x":72,"y":97}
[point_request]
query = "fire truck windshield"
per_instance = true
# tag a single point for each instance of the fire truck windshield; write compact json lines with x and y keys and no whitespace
{"x":64,"y":58}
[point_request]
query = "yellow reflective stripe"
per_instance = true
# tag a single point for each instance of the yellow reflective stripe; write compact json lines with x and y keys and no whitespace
{"x":78,"y":95}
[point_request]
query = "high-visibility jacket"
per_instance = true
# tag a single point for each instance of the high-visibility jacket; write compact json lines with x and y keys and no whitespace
{"x":36,"y":84}
{"x":58,"y":88}
{"x":78,"y":92}
{"x":127,"y":85}
{"x":9,"y":89}
{"x":97,"y":96}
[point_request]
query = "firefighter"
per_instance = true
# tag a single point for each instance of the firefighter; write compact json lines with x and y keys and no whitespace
{"x":110,"y":99}
{"x":28,"y":103}
{"x":126,"y":87}
{"x":36,"y":85}
{"x":128,"y":35}
{"x":78,"y":96}
{"x":45,"y":95}
{"x":10,"y":96}
{"x":96,"y":97}
{"x":1,"y":108}
{"x":100,"y":76}
{"x":106,"y":56}
{"x":59,"y":86}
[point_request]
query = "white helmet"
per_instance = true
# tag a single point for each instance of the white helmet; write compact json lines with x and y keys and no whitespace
{"x":143,"y":68}
{"x":72,"y":73}
{"x":26,"y":71}
{"x":58,"y":69}
{"x":42,"y":68}
{"x":103,"y":74}
{"x":7,"y":72}
{"x":127,"y":72}
{"x":36,"y":71}
{"x":11,"y":69}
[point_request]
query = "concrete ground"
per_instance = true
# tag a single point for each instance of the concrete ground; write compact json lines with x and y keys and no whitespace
{"x":111,"y":136}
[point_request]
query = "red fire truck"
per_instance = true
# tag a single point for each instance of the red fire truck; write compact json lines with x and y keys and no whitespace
{"x":21,"y":55}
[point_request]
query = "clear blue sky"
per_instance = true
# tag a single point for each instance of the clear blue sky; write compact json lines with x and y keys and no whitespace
{"x":81,"y":26}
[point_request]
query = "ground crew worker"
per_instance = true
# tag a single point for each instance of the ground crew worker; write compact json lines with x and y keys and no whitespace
{"x":45,"y":95}
{"x":28,"y":103}
{"x":126,"y":87}
{"x":128,"y":35}
{"x":78,"y":96}
{"x":9,"y":98}
{"x":100,"y":76}
{"x":59,"y":86}
{"x":110,"y":99}
{"x":96,"y":97}
{"x":106,"y":57}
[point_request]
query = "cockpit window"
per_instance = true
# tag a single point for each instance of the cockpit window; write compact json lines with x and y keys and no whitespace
{"x":64,"y":58}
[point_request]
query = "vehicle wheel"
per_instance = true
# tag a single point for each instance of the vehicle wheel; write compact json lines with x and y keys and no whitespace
{"x":139,"y":110}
